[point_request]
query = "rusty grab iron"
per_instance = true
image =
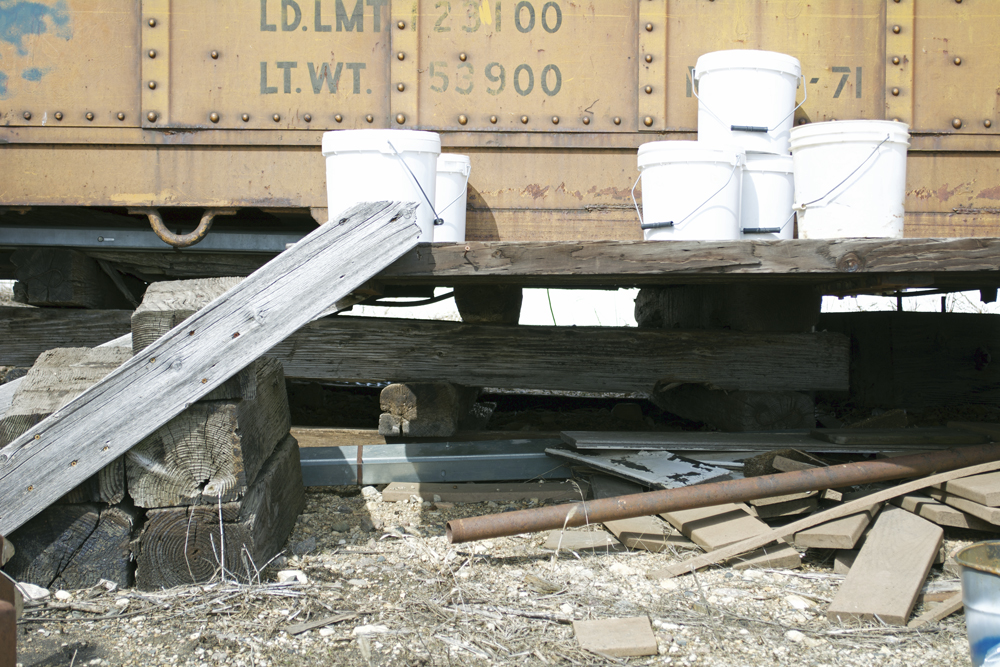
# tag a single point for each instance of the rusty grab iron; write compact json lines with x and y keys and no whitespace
{"x":718,"y":493}
{"x":181,"y":240}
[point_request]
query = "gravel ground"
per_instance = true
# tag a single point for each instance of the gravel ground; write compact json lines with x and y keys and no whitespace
{"x":405,"y":597}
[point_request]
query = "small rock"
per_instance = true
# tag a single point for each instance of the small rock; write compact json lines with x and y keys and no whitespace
{"x":680,"y":641}
{"x":371,"y":493}
{"x":566,"y":609}
{"x":437,"y":498}
{"x":797,"y":603}
{"x":304,"y":547}
{"x":33,"y":592}
{"x":360,"y":583}
{"x":622,"y":570}
{"x":369,"y":630}
{"x":280,"y":561}
{"x":340,"y":526}
{"x":369,"y":526}
{"x":63,"y":596}
{"x":326,"y":632}
{"x":122,"y":602}
{"x":292,"y":576}
{"x":794,"y":636}
{"x":344,"y":509}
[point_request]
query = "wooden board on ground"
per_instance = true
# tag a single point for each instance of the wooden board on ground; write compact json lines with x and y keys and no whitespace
{"x":213,"y":449}
{"x":313,"y":436}
{"x":616,"y":637}
{"x":27,"y":332}
{"x":942,"y":514}
{"x":983,"y":489}
{"x":989,"y":514}
{"x":842,"y":533}
{"x":682,"y":441}
{"x":152,"y":388}
{"x":649,"y":534}
{"x":942,"y":610}
{"x":712,"y":528}
{"x":889,"y":571}
{"x":183,"y":545}
{"x":573,"y":539}
{"x":481,"y":493}
{"x":657,"y":469}
{"x":788,"y":508}
{"x":906,"y":437}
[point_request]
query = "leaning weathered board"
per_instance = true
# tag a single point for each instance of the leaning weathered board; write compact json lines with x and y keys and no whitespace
{"x":187,"y":363}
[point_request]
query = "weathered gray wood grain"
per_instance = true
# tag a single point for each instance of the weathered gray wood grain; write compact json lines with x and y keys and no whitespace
{"x":27,"y":332}
{"x":190,"y":361}
{"x":560,"y":358}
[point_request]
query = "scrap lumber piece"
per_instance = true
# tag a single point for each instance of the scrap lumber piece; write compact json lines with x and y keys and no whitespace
{"x":889,"y":571}
{"x":616,"y":637}
{"x":106,"y":553}
{"x":842,"y":533}
{"x":27,"y":332}
{"x":942,"y":610}
{"x":424,"y":409}
{"x":68,"y":278}
{"x":893,"y":354}
{"x":184,"y":545}
{"x":47,"y":543}
{"x":481,"y":493}
{"x":913,"y":437}
{"x":213,"y":449}
{"x":581,"y":540}
{"x":189,"y":362}
{"x":649,"y":534}
{"x":988,"y":514}
{"x":737,"y":411}
{"x":763,"y":464}
{"x":561,"y":358}
{"x":792,"y":507}
{"x":713,"y":528}
{"x":982,"y":489}
{"x":698,"y":562}
{"x":942,"y":514}
{"x":658,"y":469}
{"x":168,"y":303}
{"x":316,"y":436}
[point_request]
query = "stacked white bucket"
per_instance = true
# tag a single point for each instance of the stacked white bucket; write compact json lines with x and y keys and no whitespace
{"x":399,"y":165}
{"x":737,"y":180}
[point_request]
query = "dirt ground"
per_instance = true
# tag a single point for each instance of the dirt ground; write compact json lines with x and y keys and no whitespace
{"x":398,"y":594}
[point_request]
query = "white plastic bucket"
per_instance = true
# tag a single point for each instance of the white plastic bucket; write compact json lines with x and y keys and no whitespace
{"x":746,"y":89}
{"x":368,"y":165}
{"x":850,"y":178}
{"x":452,"y":188}
{"x":690,"y":191}
{"x":768,"y":191}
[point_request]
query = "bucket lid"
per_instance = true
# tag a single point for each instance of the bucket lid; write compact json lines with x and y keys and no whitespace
{"x":454,"y":163}
{"x":663,"y":152}
{"x":747,"y":59}
{"x":836,"y":131}
{"x":769,"y":162}
{"x":354,"y":141}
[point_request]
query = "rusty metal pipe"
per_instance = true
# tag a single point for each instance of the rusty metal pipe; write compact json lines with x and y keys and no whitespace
{"x":181,"y":240}
{"x":717,"y":493}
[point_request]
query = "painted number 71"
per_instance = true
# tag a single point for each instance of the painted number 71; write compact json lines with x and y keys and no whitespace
{"x":845,"y":73}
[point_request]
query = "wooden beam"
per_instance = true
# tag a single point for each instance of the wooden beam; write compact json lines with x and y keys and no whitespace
{"x":27,"y":332}
{"x":942,"y":610}
{"x":190,"y":361}
{"x":561,"y":358}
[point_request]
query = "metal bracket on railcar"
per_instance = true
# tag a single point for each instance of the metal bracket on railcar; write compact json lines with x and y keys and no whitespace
{"x":181,"y":240}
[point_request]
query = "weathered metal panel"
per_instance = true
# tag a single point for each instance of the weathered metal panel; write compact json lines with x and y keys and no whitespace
{"x":60,"y":61}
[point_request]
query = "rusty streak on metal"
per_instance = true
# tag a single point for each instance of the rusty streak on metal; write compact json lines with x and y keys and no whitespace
{"x":719,"y":493}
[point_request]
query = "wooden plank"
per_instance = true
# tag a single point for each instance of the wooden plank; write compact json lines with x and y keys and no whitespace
{"x":989,"y":514}
{"x":682,"y":441}
{"x":68,"y":278}
{"x":649,"y":534}
{"x":879,"y":437}
{"x":643,"y":263}
{"x":983,"y":489}
{"x":481,"y":493}
{"x":214,"y":449}
{"x":942,"y":610}
{"x":187,"y":363}
{"x":616,"y":637}
{"x":842,"y":533}
{"x":581,"y":540}
{"x":314,"y":436}
{"x":599,"y":359}
{"x":184,"y":545}
{"x":787,"y":508}
{"x":889,"y":571}
{"x":942,"y":514}
{"x":27,"y":332}
{"x":852,"y":507}
{"x":658,"y":469}
{"x":168,"y":303}
{"x":784,"y":464}
{"x":713,"y":528}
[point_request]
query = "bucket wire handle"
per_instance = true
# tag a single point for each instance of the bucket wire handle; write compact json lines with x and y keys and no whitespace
{"x":464,"y":193}
{"x":671,"y":223}
{"x":752,"y":128}
{"x":846,"y":178}
{"x":437,"y":219}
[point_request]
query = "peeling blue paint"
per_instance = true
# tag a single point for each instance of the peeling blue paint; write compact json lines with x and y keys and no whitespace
{"x":33,"y":74}
{"x":20,"y":17}
{"x":3,"y":86}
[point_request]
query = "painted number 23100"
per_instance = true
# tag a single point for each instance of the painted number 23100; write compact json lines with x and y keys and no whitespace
{"x":525,"y":18}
